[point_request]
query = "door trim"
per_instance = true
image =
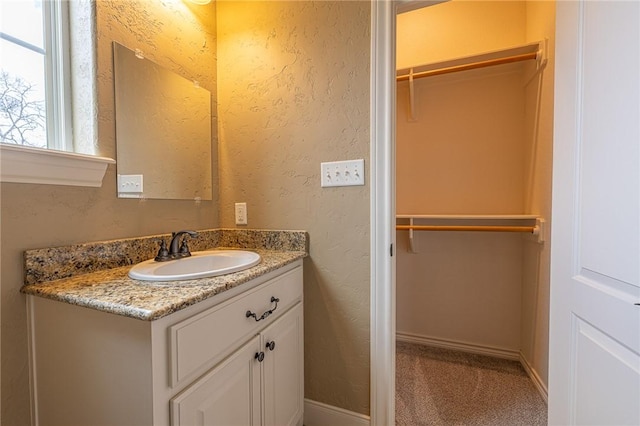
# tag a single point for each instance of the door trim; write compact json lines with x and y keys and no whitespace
{"x":382,"y":215}
{"x":382,"y":208}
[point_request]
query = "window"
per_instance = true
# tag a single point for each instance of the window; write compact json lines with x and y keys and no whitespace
{"x":35,"y":108}
{"x":35,"y":94}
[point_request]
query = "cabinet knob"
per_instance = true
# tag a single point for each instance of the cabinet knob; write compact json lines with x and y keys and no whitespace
{"x":259,"y":356}
{"x":271,"y":345}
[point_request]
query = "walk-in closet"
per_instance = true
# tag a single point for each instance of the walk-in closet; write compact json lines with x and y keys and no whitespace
{"x":473,"y":176}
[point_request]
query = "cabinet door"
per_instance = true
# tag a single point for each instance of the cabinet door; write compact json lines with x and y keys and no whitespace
{"x":228,"y":395}
{"x":283,"y":370}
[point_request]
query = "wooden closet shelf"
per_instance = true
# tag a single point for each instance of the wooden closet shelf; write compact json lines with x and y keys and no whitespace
{"x":466,"y":224}
{"x":471,"y":66}
{"x":496,"y":217}
{"x":488,"y":228}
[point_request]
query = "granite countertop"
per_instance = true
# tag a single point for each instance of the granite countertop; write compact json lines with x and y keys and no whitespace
{"x":114,"y":292}
{"x":109,"y":289}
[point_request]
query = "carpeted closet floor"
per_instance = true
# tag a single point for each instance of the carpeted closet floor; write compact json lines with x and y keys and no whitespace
{"x":443,"y":387}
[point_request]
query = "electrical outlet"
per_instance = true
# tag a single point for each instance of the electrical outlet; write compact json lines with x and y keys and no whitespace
{"x":342,"y":173}
{"x":241,"y":213}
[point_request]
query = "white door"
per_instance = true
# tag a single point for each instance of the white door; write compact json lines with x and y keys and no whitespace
{"x":594,"y":365}
{"x":283,"y":368}
{"x":229,"y":395}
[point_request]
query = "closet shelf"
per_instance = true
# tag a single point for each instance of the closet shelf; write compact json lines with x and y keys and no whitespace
{"x":485,"y":228}
{"x":530,"y":224}
{"x":466,"y":67}
{"x":469,"y":216}
{"x":533,"y":51}
{"x":525,"y":52}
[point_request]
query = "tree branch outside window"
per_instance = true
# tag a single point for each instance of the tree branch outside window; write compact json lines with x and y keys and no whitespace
{"x":22,"y":119}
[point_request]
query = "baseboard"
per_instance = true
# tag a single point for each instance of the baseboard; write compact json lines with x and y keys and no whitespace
{"x":535,"y":378}
{"x":459,"y":346}
{"x":319,"y":414}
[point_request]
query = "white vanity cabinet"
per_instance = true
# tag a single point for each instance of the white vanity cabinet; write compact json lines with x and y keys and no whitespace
{"x":259,"y":384}
{"x":208,"y":364}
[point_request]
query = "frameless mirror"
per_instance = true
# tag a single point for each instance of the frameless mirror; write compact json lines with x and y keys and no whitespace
{"x":163,"y":131}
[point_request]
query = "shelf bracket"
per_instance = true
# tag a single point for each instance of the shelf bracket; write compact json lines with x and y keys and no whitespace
{"x":541,"y":59}
{"x":538,"y":231}
{"x":412,"y":242}
{"x":412,"y":97}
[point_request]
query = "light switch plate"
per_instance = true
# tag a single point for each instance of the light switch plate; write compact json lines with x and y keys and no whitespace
{"x":130,"y":184}
{"x":342,"y":173}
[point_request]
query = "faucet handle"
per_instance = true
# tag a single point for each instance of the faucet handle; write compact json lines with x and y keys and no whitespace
{"x":163,"y":252}
{"x":184,"y":249}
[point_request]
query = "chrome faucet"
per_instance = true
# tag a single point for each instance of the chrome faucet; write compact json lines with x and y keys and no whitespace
{"x":176,"y":249}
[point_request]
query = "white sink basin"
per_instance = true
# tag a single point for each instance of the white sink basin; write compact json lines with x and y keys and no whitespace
{"x":200,"y":264}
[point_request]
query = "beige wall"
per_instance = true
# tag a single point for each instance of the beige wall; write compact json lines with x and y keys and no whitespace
{"x":458,"y":28}
{"x":461,"y":287}
{"x":36,"y":216}
{"x":480,"y":144}
{"x":463,"y":153}
{"x":293,"y":92}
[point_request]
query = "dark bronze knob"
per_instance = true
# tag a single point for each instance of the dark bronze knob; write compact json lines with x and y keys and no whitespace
{"x":271,"y":345}
{"x":260,"y":356}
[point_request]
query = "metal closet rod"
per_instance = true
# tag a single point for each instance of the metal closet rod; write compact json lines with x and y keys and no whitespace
{"x":471,"y":66}
{"x":488,"y":228}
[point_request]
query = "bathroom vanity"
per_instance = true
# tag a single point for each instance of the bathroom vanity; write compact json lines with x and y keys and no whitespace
{"x":212,"y":351}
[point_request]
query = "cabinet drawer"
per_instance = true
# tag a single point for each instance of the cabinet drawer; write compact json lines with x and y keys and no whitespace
{"x":197,"y":343}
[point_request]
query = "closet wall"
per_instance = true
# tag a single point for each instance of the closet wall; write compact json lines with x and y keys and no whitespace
{"x":479,"y":143}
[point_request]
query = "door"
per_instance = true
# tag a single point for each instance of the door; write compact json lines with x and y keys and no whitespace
{"x":283,"y":370}
{"x":227,"y":395}
{"x":594,"y":365}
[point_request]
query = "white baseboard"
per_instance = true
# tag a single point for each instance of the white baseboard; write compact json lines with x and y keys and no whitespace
{"x":535,"y":378}
{"x":319,"y":414}
{"x":459,"y":346}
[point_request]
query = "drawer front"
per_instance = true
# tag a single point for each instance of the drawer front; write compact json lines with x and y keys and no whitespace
{"x":201,"y":341}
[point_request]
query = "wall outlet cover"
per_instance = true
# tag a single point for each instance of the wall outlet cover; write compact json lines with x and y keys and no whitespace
{"x":241,"y":213}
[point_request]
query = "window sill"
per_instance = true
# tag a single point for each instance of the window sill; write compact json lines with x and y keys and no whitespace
{"x":20,"y":164}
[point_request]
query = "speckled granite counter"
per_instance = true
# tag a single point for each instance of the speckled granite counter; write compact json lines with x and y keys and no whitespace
{"x":93,"y":275}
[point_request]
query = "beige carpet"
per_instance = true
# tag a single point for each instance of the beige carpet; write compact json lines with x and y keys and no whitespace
{"x":444,"y":387}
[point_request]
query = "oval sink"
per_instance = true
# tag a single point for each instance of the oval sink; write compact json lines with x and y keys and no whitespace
{"x":200,"y":264}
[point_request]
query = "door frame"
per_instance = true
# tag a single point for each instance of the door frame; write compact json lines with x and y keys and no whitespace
{"x":382,"y":205}
{"x":382,"y":212}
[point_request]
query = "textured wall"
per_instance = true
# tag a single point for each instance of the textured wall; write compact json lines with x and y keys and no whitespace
{"x":293,"y":92}
{"x":36,"y":216}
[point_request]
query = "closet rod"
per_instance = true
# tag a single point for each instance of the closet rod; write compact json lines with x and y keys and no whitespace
{"x":471,"y":66}
{"x":530,"y":229}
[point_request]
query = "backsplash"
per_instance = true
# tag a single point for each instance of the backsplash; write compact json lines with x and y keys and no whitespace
{"x":49,"y":264}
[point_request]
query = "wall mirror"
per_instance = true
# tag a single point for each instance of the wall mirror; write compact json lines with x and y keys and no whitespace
{"x":163,"y":131}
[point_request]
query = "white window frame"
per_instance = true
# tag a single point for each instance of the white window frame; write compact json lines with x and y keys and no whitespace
{"x":57,"y":164}
{"x":57,"y":74}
